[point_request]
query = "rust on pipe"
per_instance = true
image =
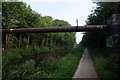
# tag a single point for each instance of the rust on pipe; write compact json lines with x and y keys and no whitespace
{"x":56,"y":29}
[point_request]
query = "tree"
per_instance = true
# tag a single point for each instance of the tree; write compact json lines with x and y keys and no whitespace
{"x":24,"y":45}
{"x":98,"y":40}
{"x":58,"y":22}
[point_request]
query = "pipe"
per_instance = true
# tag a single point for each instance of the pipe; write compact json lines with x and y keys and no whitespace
{"x":56,"y":29}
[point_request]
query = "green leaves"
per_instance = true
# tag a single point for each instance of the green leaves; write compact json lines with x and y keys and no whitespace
{"x":60,"y":23}
{"x":20,"y":48}
{"x":108,"y":42}
{"x":13,"y":54}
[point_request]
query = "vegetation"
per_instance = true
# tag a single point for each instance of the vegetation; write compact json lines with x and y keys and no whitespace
{"x":104,"y":46}
{"x":36,"y":55}
{"x":19,"y":15}
{"x":49,"y":65}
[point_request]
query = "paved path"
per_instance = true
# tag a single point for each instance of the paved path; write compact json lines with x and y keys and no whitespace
{"x":85,"y":68}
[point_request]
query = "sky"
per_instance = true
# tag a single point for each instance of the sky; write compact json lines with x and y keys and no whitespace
{"x":68,"y":10}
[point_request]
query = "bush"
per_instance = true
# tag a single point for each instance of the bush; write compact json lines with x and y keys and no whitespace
{"x":104,"y":64}
{"x":11,"y":56}
{"x":23,"y":71}
{"x":28,"y":51}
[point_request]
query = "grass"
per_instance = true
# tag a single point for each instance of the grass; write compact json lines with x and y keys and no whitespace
{"x":66,"y":66}
{"x":52,"y":65}
{"x":63,"y":67}
{"x":100,"y":61}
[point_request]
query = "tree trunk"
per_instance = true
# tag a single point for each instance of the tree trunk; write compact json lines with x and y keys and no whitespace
{"x":43,"y":41}
{"x":4,"y":40}
{"x":28,"y":40}
{"x":20,"y":40}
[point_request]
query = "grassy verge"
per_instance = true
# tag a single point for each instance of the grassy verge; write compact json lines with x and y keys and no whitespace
{"x":101,"y":60}
{"x":66,"y":67}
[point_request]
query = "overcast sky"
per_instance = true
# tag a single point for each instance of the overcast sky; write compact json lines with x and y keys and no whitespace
{"x":68,"y":10}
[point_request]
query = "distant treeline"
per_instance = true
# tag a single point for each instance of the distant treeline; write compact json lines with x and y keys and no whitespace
{"x":19,"y":15}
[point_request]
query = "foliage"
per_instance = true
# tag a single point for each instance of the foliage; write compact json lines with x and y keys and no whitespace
{"x":19,"y":15}
{"x":23,"y":72}
{"x":101,"y":64}
{"x":36,"y":67}
{"x":66,"y":66}
{"x":58,"y":22}
{"x":104,"y":41}
{"x":94,"y":39}
{"x":23,"y":57}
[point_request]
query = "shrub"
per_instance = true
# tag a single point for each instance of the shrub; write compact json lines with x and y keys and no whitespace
{"x":11,"y":56}
{"x":23,"y":71}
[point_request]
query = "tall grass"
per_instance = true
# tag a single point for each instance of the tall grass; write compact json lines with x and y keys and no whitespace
{"x":101,"y":61}
{"x":66,"y":67}
{"x":39,"y":62}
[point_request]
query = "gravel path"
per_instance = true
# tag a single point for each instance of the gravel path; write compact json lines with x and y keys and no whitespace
{"x":85,"y":68}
